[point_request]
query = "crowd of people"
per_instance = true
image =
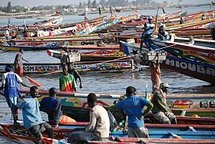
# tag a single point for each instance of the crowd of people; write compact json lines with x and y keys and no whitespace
{"x":133,"y":106}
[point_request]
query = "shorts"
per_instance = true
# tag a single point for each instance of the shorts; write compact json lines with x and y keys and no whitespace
{"x":12,"y":101}
{"x":164,"y":117}
{"x":37,"y":130}
{"x":141,"y":132}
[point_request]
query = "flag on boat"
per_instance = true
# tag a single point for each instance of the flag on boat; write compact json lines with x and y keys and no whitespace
{"x":33,"y":82}
{"x":126,"y":48}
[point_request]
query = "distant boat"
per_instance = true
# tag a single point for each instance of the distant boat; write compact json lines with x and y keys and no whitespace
{"x":118,"y":10}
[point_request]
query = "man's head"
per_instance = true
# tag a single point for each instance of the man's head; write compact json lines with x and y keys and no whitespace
{"x":8,"y":68}
{"x":65,"y":70}
{"x":34,"y":91}
{"x":150,"y":19}
{"x":91,"y":100}
{"x":130,"y":90}
{"x":52,"y":92}
{"x":164,"y":86}
{"x":21,"y":50}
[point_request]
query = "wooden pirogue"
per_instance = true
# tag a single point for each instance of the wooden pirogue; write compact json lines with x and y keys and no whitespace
{"x":157,"y":133}
{"x":117,"y":65}
{"x":181,"y":101}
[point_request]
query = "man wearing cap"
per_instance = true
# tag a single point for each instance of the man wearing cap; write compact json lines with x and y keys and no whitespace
{"x":160,"y":110}
{"x":133,"y":107}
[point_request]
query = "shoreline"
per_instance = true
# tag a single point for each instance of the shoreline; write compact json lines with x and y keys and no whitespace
{"x":25,"y":15}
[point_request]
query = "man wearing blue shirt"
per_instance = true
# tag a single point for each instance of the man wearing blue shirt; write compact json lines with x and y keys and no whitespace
{"x":10,"y":84}
{"x":146,"y":35}
{"x":52,"y":106}
{"x":133,"y":107}
{"x":32,"y":117}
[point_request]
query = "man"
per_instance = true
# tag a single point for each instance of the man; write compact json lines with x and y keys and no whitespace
{"x":32,"y":117}
{"x":76,"y":75}
{"x":99,"y":126}
{"x":18,"y":63}
{"x":162,"y":33}
{"x":67,"y":81}
{"x":65,"y":60}
{"x":146,"y":35}
{"x":52,"y":106}
{"x":133,"y":107}
{"x":7,"y":34}
{"x":10,"y":83}
{"x":160,"y":110}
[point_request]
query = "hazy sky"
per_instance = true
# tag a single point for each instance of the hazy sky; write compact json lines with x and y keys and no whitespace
{"x":31,"y":3}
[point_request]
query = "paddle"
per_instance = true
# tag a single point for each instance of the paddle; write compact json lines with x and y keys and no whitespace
{"x":35,"y":83}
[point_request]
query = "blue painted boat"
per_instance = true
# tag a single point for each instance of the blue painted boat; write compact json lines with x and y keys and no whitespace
{"x":187,"y":58}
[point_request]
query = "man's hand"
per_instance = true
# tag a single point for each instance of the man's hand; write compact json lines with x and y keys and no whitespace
{"x":81,"y":86}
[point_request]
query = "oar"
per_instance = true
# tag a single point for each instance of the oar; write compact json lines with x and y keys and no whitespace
{"x":54,"y":72}
{"x":35,"y":83}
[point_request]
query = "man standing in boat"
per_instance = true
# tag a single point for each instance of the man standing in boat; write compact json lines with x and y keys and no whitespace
{"x":18,"y":63}
{"x":10,"y":82}
{"x":160,"y":110}
{"x":66,"y":60}
{"x":99,"y":125}
{"x":67,"y":81}
{"x":146,"y":35}
{"x":32,"y":117}
{"x":133,"y":107}
{"x":52,"y":106}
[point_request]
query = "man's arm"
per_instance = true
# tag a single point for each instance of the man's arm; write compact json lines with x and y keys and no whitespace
{"x":20,"y":81}
{"x":25,"y":85}
{"x":79,"y":77}
{"x":92,"y":123}
{"x":149,"y":108}
{"x":60,"y":84}
{"x":20,"y":104}
{"x":3,"y":82}
{"x":24,"y":60}
{"x":161,"y":103}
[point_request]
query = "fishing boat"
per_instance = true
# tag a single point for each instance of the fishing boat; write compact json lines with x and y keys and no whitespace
{"x":187,"y":58}
{"x":31,"y":44}
{"x":26,"y":46}
{"x":182,"y":101}
{"x":156,"y":132}
{"x":93,"y":55}
{"x":50,"y":21}
{"x":190,"y":59}
{"x":117,"y":65}
{"x":198,"y":112}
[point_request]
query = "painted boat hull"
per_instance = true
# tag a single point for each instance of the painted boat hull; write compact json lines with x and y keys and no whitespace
{"x":181,"y":101}
{"x":195,"y":61}
{"x":156,"y":133}
{"x":208,"y":112}
{"x":98,"y":55}
{"x":191,"y":60}
{"x":82,"y":67}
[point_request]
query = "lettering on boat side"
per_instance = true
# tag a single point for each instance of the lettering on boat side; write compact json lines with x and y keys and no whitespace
{"x":35,"y":68}
{"x":181,"y":104}
{"x":191,"y":67}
